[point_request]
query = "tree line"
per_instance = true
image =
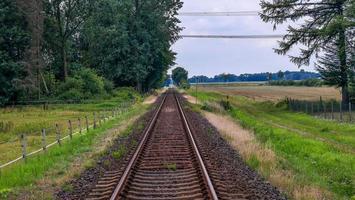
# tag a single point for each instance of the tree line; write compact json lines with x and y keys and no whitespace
{"x":325,"y":29}
{"x":266,"y":76}
{"x":83,"y":48}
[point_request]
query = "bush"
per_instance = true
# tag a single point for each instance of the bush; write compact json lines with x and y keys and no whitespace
{"x":72,"y":94}
{"x":307,"y":83}
{"x":108,"y":86}
{"x":184,"y":85}
{"x":225,"y":105}
{"x":84,"y":85}
{"x":92,"y":83}
{"x":71,"y":84}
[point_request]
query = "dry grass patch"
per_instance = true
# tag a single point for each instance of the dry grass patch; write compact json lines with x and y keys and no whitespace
{"x":152,"y":98}
{"x":263,"y":159}
{"x":277,"y":93}
{"x":191,"y":99}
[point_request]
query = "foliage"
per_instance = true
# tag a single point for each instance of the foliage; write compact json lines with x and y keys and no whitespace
{"x":109,"y":86}
{"x":64,"y":19}
{"x":129,"y":42}
{"x":179,"y":75}
{"x":307,"y":83}
{"x":93,"y":84}
{"x":185,"y":85}
{"x":322,"y":22}
{"x":288,"y":75}
{"x":85,"y":84}
{"x":14,"y":39}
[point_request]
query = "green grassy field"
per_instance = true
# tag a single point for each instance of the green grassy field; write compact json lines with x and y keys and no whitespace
{"x":24,"y":174}
{"x":30,"y":120}
{"x":318,"y":152}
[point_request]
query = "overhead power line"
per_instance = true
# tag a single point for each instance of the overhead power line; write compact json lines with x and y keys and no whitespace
{"x":234,"y":36}
{"x":238,"y":13}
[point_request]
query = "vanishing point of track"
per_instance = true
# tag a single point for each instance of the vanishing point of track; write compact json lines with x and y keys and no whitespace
{"x":166,"y":164}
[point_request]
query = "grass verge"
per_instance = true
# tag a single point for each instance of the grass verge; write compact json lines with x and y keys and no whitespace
{"x":59,"y":158}
{"x":30,"y":120}
{"x":324,"y":160}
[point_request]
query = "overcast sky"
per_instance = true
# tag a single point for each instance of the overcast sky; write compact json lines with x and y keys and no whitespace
{"x":215,"y":56}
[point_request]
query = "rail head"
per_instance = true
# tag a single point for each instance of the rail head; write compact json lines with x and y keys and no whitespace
{"x":134,"y":158}
{"x":210,"y":187}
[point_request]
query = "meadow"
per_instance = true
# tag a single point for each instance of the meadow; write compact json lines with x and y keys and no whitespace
{"x":319,"y":153}
{"x":30,"y":120}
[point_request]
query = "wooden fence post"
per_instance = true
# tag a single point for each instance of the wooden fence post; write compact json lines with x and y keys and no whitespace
{"x":70,"y":129}
{"x":325,"y":110}
{"x":312,"y":108}
{"x":79,"y":124}
{"x":58,"y":134}
{"x":332,"y":110}
{"x":24,"y":146}
{"x":44,"y":143}
{"x":87,"y":123}
{"x":350,"y":115}
{"x":341,"y":111}
{"x":94,"y":120}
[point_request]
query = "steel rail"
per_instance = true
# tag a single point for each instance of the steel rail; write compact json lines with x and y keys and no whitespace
{"x":135,"y":156}
{"x":206,"y":177}
{"x":120,"y":186}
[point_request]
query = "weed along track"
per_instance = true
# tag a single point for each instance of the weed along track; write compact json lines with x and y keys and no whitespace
{"x":171,"y":161}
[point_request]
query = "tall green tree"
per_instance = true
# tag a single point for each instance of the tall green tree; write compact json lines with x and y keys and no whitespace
{"x":129,"y":41}
{"x":320,"y":23}
{"x":64,"y":19}
{"x":14,"y":40}
{"x":179,"y":75}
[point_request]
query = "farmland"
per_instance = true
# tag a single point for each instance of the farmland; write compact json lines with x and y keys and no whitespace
{"x":274,"y":93}
{"x":311,"y":150}
{"x":30,"y":120}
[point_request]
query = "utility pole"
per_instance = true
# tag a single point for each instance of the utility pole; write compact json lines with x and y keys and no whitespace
{"x":196,"y":89}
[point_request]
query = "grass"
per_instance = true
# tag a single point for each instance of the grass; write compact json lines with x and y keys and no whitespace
{"x":318,"y":152}
{"x":25,"y":174}
{"x":119,"y":153}
{"x":171,"y":166}
{"x":30,"y":120}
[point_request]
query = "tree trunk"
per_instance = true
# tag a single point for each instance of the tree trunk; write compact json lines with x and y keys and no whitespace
{"x":343,"y":66}
{"x":140,"y":87}
{"x":64,"y":62}
{"x":345,"y":95}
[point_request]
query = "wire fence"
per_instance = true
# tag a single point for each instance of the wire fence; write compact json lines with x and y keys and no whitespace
{"x":331,"y":109}
{"x":28,"y":145}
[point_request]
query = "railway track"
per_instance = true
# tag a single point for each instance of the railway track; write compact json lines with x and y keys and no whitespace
{"x":166,"y":164}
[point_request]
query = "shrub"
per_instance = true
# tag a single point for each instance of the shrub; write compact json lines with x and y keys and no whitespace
{"x":85,"y":84}
{"x":92,"y":83}
{"x":184,"y":85}
{"x":72,"y":94}
{"x":108,"y":86}
{"x":307,"y":83}
{"x":71,"y":84}
{"x":225,"y":105}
